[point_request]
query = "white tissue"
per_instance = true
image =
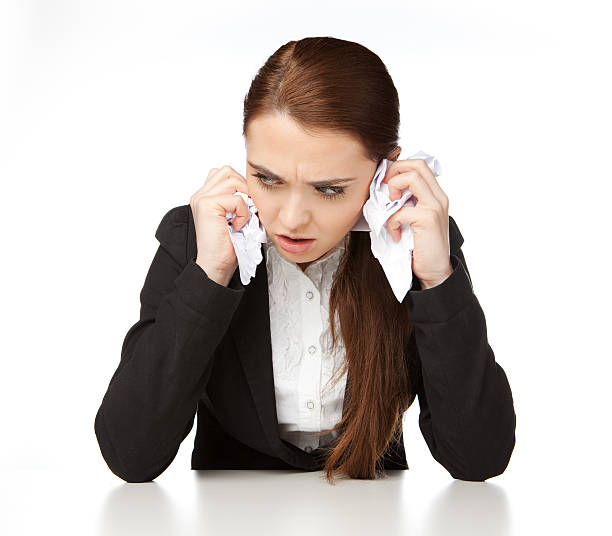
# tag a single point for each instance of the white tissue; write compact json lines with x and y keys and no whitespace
{"x":247,"y":241}
{"x":394,"y":257}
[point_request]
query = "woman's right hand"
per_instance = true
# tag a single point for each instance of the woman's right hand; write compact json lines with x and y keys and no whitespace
{"x":209,"y":204}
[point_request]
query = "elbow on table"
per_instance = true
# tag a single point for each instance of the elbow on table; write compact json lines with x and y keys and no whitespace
{"x":132,"y":472}
{"x":486,"y":467}
{"x":134,"y":475}
{"x":138,"y":478}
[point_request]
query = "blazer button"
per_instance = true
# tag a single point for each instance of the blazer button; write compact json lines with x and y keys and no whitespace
{"x":308,"y":448}
{"x":309,"y":295}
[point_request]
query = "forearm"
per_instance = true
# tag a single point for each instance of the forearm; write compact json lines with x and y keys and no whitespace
{"x":467,"y":413}
{"x":152,"y":398}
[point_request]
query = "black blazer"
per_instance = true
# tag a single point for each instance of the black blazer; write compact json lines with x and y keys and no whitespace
{"x":200,"y":347}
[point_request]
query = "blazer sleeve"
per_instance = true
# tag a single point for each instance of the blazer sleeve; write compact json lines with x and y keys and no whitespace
{"x":466,"y":407}
{"x":166,"y":357}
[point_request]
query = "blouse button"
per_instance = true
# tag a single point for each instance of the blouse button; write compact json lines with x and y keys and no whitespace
{"x":311,"y":349}
{"x":309,"y":295}
{"x":310,"y":404}
{"x":308,"y":448}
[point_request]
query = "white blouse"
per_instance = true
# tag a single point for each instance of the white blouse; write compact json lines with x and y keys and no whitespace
{"x":301,"y":340}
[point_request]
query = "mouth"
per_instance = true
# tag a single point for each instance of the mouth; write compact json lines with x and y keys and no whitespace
{"x":294,"y":245}
{"x":295,"y":237}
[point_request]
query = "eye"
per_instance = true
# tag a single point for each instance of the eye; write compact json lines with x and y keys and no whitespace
{"x":262,"y":179}
{"x":336,"y":191}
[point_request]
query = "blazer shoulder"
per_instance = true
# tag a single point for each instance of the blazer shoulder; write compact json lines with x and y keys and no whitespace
{"x":172,"y":232}
{"x":454,"y":235}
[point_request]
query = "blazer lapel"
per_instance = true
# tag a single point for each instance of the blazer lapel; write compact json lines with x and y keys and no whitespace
{"x":250,"y":329}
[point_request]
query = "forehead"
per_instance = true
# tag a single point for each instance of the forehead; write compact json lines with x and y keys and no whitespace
{"x":277,"y":141}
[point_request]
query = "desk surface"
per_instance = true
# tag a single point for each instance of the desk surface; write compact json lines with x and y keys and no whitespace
{"x":187,"y":502}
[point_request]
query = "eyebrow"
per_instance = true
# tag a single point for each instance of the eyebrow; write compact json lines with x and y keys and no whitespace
{"x":274,"y":176}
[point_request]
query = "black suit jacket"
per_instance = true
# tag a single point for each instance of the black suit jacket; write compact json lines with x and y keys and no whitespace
{"x":203,"y":348}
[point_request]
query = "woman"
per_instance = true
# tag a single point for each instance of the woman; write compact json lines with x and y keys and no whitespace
{"x":312,"y":364}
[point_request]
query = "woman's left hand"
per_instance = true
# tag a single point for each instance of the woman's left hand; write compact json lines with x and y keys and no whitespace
{"x":428,"y":219}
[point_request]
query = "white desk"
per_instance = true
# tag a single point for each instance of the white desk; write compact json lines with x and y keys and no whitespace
{"x":182,"y":501}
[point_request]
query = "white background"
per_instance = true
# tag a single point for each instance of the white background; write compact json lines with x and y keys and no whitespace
{"x":112,"y":112}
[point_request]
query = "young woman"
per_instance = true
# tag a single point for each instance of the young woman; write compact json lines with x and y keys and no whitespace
{"x":312,"y":364}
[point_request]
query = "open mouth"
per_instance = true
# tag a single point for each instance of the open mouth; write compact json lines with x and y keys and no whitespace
{"x":293,"y":245}
{"x":296,"y":239}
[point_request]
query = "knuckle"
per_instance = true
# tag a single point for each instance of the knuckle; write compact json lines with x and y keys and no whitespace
{"x":234,"y":185}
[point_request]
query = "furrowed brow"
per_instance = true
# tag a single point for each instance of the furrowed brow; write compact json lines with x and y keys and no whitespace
{"x":327,"y":182}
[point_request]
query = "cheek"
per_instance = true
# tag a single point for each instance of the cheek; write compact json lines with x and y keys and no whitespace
{"x":255,"y":193}
{"x":265,"y":207}
{"x":338,"y":216}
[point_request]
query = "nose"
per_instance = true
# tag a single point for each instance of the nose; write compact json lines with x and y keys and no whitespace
{"x":294,"y":214}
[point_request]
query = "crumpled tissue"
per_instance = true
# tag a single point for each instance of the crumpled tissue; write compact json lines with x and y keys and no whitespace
{"x":394,"y":257}
{"x":247,"y":240}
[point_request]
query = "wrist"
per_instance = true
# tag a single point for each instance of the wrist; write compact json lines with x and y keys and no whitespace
{"x":218,"y":276}
{"x":426,"y":284}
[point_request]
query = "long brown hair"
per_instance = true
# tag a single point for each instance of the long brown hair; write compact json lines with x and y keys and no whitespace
{"x":331,"y":84}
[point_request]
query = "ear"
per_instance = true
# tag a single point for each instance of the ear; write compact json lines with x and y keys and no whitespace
{"x":393,"y":155}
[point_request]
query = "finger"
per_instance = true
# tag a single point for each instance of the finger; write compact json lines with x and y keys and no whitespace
{"x":420,"y":165}
{"x":219,"y":175}
{"x":225,"y":173}
{"x":210,"y":174}
{"x":417,"y":185}
{"x":229,"y":185}
{"x":412,"y":216}
{"x":234,"y":203}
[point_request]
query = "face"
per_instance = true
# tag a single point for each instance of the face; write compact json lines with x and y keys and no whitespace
{"x":283,"y":162}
